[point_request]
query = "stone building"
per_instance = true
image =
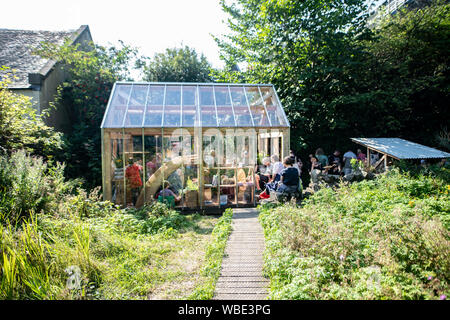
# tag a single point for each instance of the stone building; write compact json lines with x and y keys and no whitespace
{"x":37,"y":77}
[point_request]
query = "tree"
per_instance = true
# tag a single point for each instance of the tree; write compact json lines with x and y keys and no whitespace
{"x":409,"y":64}
{"x":85,"y":93}
{"x":338,"y":79}
{"x":305,"y":48}
{"x":178,"y":65}
{"x":21,"y":127}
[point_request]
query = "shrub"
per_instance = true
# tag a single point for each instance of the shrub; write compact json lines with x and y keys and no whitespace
{"x":28,"y":184}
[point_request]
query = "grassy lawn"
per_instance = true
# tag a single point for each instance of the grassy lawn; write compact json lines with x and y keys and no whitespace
{"x":166,"y":265}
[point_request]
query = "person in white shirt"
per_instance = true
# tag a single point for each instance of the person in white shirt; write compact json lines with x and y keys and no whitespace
{"x":277,"y":166}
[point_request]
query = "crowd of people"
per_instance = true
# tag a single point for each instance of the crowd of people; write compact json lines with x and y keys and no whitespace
{"x":338,"y":164}
{"x":285,"y":177}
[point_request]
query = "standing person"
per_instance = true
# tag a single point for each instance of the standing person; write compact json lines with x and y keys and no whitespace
{"x":335,"y":160}
{"x":348,"y":156}
{"x":321,"y":157}
{"x":133,"y":176}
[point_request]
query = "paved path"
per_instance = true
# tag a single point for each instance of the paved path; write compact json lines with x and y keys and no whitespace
{"x":241,"y":275}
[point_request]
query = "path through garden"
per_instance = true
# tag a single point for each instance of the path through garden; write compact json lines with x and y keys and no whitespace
{"x":241,"y":276}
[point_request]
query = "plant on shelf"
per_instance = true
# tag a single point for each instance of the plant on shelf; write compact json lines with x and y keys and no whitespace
{"x":191,"y":192}
{"x":191,"y":185}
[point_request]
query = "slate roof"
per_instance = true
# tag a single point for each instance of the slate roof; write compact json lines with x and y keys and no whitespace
{"x":16,"y":48}
{"x":401,"y":148}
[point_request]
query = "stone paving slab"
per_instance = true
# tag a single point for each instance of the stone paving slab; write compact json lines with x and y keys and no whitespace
{"x":241,"y":290}
{"x":241,"y":274}
{"x":241,"y":284}
{"x":240,"y":296}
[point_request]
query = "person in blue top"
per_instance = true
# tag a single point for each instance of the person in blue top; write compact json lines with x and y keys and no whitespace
{"x":289,"y":178}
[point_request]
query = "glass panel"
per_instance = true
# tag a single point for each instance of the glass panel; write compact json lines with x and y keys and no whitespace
{"x":222,"y":96}
{"x":206,"y":96}
{"x":210,"y":168}
{"x":117,"y":169}
{"x":243,"y":118}
{"x":189,"y":111}
{"x":241,"y":111}
{"x":208,"y":110}
{"x":136,"y":106}
{"x":225,"y":116}
{"x":172,"y":150}
{"x":190,"y":170}
{"x":274,"y":111}
{"x":190,"y":117}
{"x":189,"y":96}
{"x":238,"y":96}
{"x":133,"y":167}
{"x":172,"y":116}
{"x":228,"y":169}
{"x":256,"y":106}
{"x":245,"y":185}
{"x":156,"y":96}
{"x":173,"y":96}
{"x":224,"y":108}
{"x":209,"y":118}
{"x":118,"y":106}
{"x":155,"y":100}
{"x":153,"y":162}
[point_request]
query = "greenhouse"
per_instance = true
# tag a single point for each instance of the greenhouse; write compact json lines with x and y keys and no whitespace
{"x":202,"y":142}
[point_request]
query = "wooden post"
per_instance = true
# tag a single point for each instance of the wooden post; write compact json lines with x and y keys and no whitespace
{"x":368,"y":158}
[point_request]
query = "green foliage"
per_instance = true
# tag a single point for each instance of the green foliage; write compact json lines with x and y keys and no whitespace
{"x":59,"y":242}
{"x":381,"y":239}
{"x":28,"y":184}
{"x":92,"y":73}
{"x":213,"y":256}
{"x":21,"y":127}
{"x":178,"y":65}
{"x":338,"y":79}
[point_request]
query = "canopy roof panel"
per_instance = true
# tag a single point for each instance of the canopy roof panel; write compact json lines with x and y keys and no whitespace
{"x":158,"y":104}
{"x":401,"y":149}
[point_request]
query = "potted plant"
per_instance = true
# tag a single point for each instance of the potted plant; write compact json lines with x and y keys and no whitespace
{"x":191,"y":193}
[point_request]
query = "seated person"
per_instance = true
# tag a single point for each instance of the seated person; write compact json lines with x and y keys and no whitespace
{"x":166,"y":192}
{"x":335,"y":161}
{"x":289,"y":180}
{"x":263,"y":173}
{"x":315,"y":164}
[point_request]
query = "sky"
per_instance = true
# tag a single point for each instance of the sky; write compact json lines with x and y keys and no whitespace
{"x":150,"y":25}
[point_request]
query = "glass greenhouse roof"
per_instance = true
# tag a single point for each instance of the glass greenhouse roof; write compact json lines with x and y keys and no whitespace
{"x":157,"y":104}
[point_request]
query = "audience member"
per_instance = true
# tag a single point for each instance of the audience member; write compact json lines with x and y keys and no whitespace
{"x":321,"y":157}
{"x":348,"y":156}
{"x":335,"y":161}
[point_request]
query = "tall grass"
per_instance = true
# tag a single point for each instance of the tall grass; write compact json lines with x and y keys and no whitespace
{"x":213,"y":256}
{"x":59,"y":242}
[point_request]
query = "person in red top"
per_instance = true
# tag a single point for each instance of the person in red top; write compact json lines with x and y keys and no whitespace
{"x":133,"y":175}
